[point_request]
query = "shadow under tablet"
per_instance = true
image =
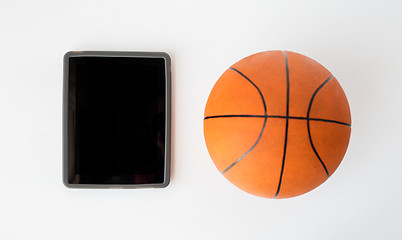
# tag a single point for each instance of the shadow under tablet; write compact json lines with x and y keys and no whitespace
{"x":116,"y":119}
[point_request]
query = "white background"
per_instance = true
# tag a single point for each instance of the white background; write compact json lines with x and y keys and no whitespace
{"x":358,"y":41}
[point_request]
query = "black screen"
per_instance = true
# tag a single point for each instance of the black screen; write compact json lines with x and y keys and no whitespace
{"x":116,"y":120}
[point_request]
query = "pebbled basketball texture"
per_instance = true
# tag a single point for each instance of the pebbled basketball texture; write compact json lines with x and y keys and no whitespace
{"x":277,"y":124}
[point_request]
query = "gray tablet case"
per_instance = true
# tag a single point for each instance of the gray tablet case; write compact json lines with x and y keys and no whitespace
{"x":68,"y":153}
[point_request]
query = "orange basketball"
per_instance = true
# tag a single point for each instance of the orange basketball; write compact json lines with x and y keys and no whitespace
{"x":277,"y":124}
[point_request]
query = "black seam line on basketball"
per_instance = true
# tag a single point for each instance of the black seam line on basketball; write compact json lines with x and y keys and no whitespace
{"x":235,"y":115}
{"x":287,"y":123}
{"x":255,"y":144}
{"x":330,"y":121}
{"x":263,"y":126}
{"x":308,"y":123}
{"x":276,"y":116}
{"x":259,"y":91}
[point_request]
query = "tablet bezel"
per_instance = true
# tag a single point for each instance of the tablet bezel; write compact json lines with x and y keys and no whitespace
{"x":67,"y":156}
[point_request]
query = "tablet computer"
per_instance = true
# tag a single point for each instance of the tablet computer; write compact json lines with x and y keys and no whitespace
{"x":116,"y":119}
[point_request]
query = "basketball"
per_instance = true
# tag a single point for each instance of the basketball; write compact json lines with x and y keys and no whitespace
{"x":277,"y":124}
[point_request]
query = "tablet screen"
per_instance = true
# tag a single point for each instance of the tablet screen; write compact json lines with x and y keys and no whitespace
{"x":116,"y":120}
